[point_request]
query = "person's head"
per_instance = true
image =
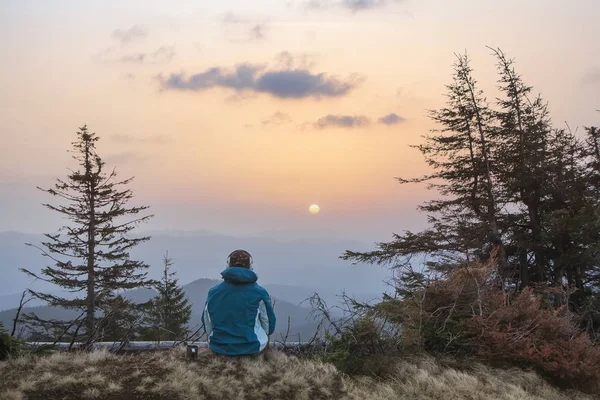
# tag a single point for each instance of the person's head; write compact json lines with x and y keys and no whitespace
{"x":239,"y":258}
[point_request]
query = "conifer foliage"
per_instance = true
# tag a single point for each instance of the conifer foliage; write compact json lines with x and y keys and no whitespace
{"x":511,"y":184}
{"x":90,"y":254}
{"x":170,"y":310}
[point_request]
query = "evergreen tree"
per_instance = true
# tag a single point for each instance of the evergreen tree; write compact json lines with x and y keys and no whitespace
{"x":508,"y":181}
{"x":91,"y":254}
{"x":170,"y":310}
{"x":467,"y":219}
{"x":567,"y":213}
{"x":546,"y":178}
{"x":522,"y":134}
{"x":121,"y":320}
{"x":589,"y":234}
{"x":593,"y":154}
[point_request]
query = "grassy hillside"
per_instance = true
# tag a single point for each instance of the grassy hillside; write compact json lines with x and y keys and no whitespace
{"x":167,"y":375}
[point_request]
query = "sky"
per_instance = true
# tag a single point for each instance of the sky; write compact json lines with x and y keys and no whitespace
{"x":236,"y":116}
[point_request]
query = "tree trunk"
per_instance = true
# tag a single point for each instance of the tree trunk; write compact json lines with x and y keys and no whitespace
{"x":537,"y":245}
{"x":91,"y":248}
{"x":523,"y":265}
{"x":91,"y":280}
{"x":491,"y":201}
{"x":558,"y":261}
{"x":527,"y":181}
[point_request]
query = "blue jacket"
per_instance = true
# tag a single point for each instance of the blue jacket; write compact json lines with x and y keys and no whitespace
{"x":238,"y":315}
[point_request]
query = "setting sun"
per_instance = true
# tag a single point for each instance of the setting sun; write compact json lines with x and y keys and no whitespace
{"x":314,"y":209}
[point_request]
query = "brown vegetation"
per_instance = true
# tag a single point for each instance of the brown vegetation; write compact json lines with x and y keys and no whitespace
{"x":469,"y":313}
{"x":167,"y":375}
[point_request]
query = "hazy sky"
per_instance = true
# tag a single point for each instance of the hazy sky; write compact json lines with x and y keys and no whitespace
{"x":236,"y":115}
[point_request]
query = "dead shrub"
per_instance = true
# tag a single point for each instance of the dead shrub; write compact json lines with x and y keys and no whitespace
{"x":526,"y":334}
{"x":467,"y":313}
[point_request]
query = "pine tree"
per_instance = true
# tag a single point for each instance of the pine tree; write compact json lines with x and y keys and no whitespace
{"x":522,"y":137}
{"x":122,"y":320}
{"x":170,"y":310}
{"x":593,"y":153}
{"x":566,"y":212}
{"x":467,"y":219}
{"x":91,"y":254}
{"x":506,"y":180}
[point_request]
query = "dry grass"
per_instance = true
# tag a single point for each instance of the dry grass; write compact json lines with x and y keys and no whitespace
{"x":166,"y":375}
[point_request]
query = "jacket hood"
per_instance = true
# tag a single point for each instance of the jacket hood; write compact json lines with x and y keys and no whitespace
{"x":239,"y":275}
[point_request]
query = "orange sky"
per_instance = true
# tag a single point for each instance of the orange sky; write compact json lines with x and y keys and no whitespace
{"x":238,"y":157}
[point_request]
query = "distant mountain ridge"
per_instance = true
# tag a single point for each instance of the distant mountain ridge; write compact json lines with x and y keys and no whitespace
{"x":299,"y":263}
{"x":291,"y":270}
{"x":196,"y":292}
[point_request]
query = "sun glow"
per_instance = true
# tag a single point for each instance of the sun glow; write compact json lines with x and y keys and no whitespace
{"x":314,"y":209}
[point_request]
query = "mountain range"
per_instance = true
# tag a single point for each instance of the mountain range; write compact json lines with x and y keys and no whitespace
{"x":305,"y":263}
{"x":301,"y":325}
{"x":291,"y":271}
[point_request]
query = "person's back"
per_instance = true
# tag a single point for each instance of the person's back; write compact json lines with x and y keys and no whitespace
{"x":238,"y":315}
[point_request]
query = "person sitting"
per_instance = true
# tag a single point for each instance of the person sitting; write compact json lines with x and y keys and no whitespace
{"x":238,"y":316}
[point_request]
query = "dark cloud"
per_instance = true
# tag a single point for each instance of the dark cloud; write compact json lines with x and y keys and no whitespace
{"x":126,"y":139}
{"x":391,"y":119}
{"x":301,"y":83}
{"x":279,"y":118}
{"x":285,"y":83}
{"x":126,"y":36}
{"x":242,"y":77}
{"x":163,"y":55}
{"x":341,"y":121}
{"x":593,"y":76}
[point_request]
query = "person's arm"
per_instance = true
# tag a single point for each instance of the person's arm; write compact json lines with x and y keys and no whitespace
{"x":267,"y":315}
{"x":206,"y":322}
